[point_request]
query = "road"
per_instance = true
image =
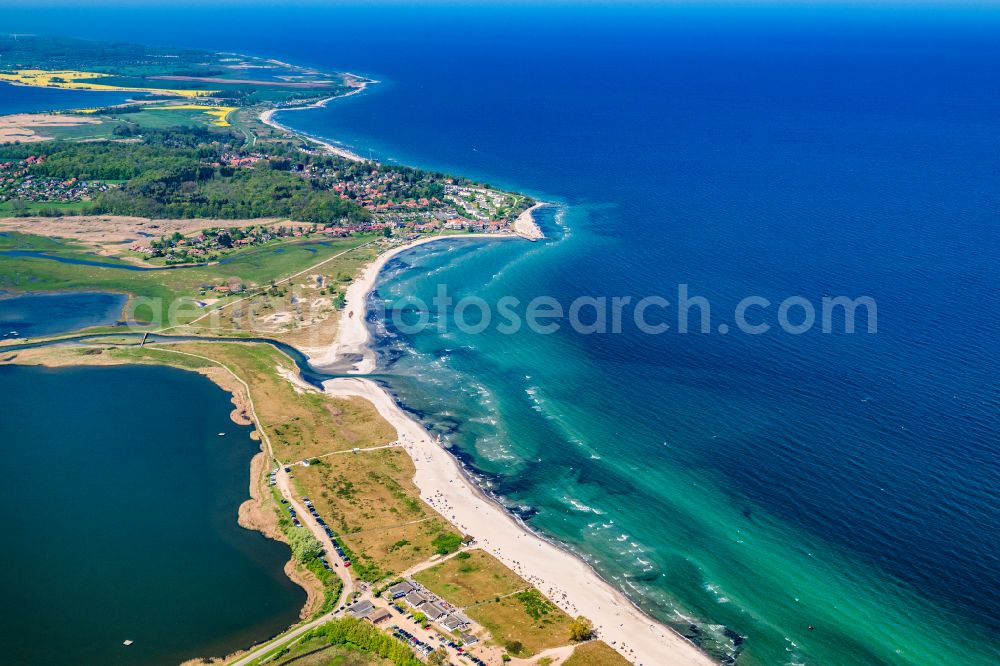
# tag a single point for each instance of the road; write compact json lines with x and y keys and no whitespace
{"x":284,"y":639}
{"x":284,"y":485}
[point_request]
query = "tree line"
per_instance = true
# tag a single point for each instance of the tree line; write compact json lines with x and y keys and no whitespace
{"x":175,"y":173}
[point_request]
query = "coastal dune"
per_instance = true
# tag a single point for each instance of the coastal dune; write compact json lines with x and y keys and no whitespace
{"x":565,"y":579}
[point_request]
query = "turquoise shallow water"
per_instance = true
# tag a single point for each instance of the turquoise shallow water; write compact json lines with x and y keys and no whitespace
{"x":634,"y":490}
{"x":740,"y":487}
{"x":122,"y":525}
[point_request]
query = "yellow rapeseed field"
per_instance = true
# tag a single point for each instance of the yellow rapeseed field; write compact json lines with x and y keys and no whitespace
{"x":219,"y":112}
{"x":82,"y":81}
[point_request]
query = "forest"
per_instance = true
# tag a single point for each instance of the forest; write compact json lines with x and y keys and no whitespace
{"x":176,"y":173}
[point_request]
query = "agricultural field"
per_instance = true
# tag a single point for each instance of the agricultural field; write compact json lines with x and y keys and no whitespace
{"x":217,"y":114}
{"x":162,"y":72}
{"x":33,"y":207}
{"x":103,"y":128}
{"x":75,"y":80}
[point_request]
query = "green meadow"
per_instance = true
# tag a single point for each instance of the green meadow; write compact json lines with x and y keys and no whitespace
{"x":259,"y":265}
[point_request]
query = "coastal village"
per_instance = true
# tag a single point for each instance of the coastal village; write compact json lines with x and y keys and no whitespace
{"x":18,"y":187}
{"x":365,"y":543}
{"x":398,"y":204}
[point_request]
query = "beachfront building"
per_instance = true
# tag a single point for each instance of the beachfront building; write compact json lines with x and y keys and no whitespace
{"x":400,"y":589}
{"x":361,"y":609}
{"x":432,"y":609}
{"x":455,"y":621}
{"x":378,"y":616}
{"x":417,"y":597}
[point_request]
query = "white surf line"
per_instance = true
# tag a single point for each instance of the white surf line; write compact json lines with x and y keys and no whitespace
{"x":352,"y":329}
{"x":565,"y":579}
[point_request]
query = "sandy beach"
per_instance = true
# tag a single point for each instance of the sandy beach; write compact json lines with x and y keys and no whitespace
{"x":565,"y":579}
{"x":351,"y":345}
{"x":267,"y":117}
{"x":526,"y":226}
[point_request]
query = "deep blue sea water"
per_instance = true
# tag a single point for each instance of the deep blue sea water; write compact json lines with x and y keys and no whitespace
{"x":740,"y":487}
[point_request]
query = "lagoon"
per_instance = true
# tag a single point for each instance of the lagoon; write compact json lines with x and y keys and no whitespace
{"x":124,"y":516}
{"x":33,"y":315}
{"x":25,"y":99}
{"x":740,"y":488}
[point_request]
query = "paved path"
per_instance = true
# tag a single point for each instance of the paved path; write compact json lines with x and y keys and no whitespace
{"x":284,"y":639}
{"x":284,"y":484}
{"x":427,"y":564}
{"x":390,"y":445}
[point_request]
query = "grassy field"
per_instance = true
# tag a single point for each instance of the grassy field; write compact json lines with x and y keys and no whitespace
{"x":163,"y":289}
{"x":369,"y":499}
{"x":300,"y":425}
{"x":527,"y":618}
{"x":596,"y":653}
{"x":367,"y":496}
{"x":317,"y":651}
{"x":300,"y":312}
{"x":183,"y":115}
{"x":76,"y":80}
{"x":102,"y":130}
{"x":470,"y":578}
{"x":33,"y":207}
{"x":500,"y":600}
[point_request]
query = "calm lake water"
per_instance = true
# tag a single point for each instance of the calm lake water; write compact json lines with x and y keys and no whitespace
{"x":24,"y":99}
{"x":740,"y":487}
{"x":33,"y":315}
{"x":122,"y":521}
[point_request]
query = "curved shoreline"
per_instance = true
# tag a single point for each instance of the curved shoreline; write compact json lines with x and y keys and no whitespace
{"x":526,"y":226}
{"x":565,"y":578}
{"x":267,"y":117}
{"x":353,"y":337}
